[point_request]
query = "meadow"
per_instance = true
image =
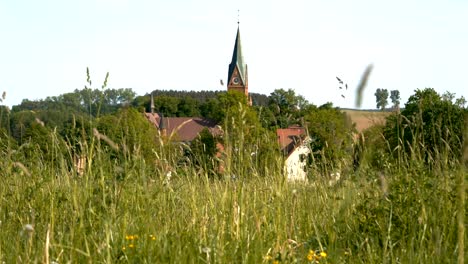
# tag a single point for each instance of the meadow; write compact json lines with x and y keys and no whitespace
{"x":366,"y":119}
{"x":131,"y":204}
{"x":125,"y":210}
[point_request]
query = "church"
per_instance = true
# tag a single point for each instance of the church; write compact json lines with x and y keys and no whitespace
{"x":293,"y":141}
{"x":186,"y":129}
{"x":238,"y":79}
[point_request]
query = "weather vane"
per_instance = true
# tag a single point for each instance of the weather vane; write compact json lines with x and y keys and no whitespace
{"x":238,"y":20}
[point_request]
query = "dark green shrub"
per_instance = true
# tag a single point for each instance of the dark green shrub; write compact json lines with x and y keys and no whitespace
{"x":331,"y":131}
{"x":430,"y":128}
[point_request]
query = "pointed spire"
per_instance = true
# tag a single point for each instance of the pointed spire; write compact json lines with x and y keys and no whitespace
{"x":237,"y":60}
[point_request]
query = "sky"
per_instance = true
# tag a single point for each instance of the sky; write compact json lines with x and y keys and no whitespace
{"x":45,"y":46}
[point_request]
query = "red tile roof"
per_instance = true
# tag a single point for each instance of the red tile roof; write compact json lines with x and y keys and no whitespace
{"x":288,"y":138}
{"x":184,"y":128}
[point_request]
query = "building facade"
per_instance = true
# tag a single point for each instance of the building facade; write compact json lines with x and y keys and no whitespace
{"x":238,"y":79}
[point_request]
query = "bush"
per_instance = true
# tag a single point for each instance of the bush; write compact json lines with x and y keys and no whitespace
{"x":371,"y":149}
{"x":331,"y":132}
{"x":430,"y":128}
{"x":131,"y":131}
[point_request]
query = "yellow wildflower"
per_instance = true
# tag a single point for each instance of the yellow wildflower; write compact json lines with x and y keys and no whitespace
{"x":131,"y":246}
{"x":323,"y":254}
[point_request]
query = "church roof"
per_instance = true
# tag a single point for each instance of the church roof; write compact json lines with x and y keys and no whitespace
{"x":237,"y":60}
{"x":183,"y":129}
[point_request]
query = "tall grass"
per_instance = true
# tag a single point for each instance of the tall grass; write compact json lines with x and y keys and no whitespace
{"x":124,"y":209}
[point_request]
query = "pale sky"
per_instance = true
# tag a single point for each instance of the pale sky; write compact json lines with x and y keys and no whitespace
{"x":46,"y":45}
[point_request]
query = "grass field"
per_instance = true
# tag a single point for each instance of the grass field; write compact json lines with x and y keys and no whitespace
{"x":365,"y":118}
{"x":123,"y":210}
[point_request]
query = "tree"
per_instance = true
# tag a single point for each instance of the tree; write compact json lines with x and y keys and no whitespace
{"x":20,"y":122}
{"x":131,"y":131}
{"x":460,"y":102}
{"x":188,"y":107}
{"x":42,"y":143}
{"x":142,"y":103}
{"x":203,"y":151}
{"x":212,"y":109}
{"x":166,"y":105}
{"x":331,"y":132}
{"x":381,"y":96}
{"x":430,"y":127}
{"x":395,"y":97}
{"x":286,"y":106}
{"x":244,"y":137}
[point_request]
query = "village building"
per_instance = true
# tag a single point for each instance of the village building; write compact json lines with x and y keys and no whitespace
{"x":294,"y":144}
{"x":238,"y":77}
{"x":293,"y":141}
{"x":186,"y":129}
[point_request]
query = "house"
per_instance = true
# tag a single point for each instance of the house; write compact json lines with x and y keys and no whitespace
{"x":294,"y":144}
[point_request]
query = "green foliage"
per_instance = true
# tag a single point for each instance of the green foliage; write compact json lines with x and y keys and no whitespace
{"x":286,"y":107}
{"x":6,"y":142}
{"x":51,"y":214}
{"x":212,"y":110}
{"x":40,"y":141}
{"x":331,"y":132}
{"x":203,"y":151}
{"x":188,"y":107}
{"x":139,"y":200}
{"x":202,"y":97}
{"x":20,"y":122}
{"x":371,"y":150}
{"x":245,"y":141}
{"x":130,"y":131}
{"x":430,"y":128}
{"x":173,"y":103}
{"x":4,"y":117}
{"x":86,"y":101}
{"x":142,"y":103}
{"x":166,"y":105}
{"x":395,"y":97}
{"x":381,"y":96}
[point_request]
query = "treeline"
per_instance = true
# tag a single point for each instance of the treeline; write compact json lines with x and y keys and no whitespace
{"x":86,"y":101}
{"x":72,"y":115}
{"x":188,"y":103}
{"x":428,"y":119}
{"x":280,"y":109}
{"x":204,"y":96}
{"x":93,"y":102}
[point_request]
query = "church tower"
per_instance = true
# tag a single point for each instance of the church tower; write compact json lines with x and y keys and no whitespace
{"x":237,"y":76}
